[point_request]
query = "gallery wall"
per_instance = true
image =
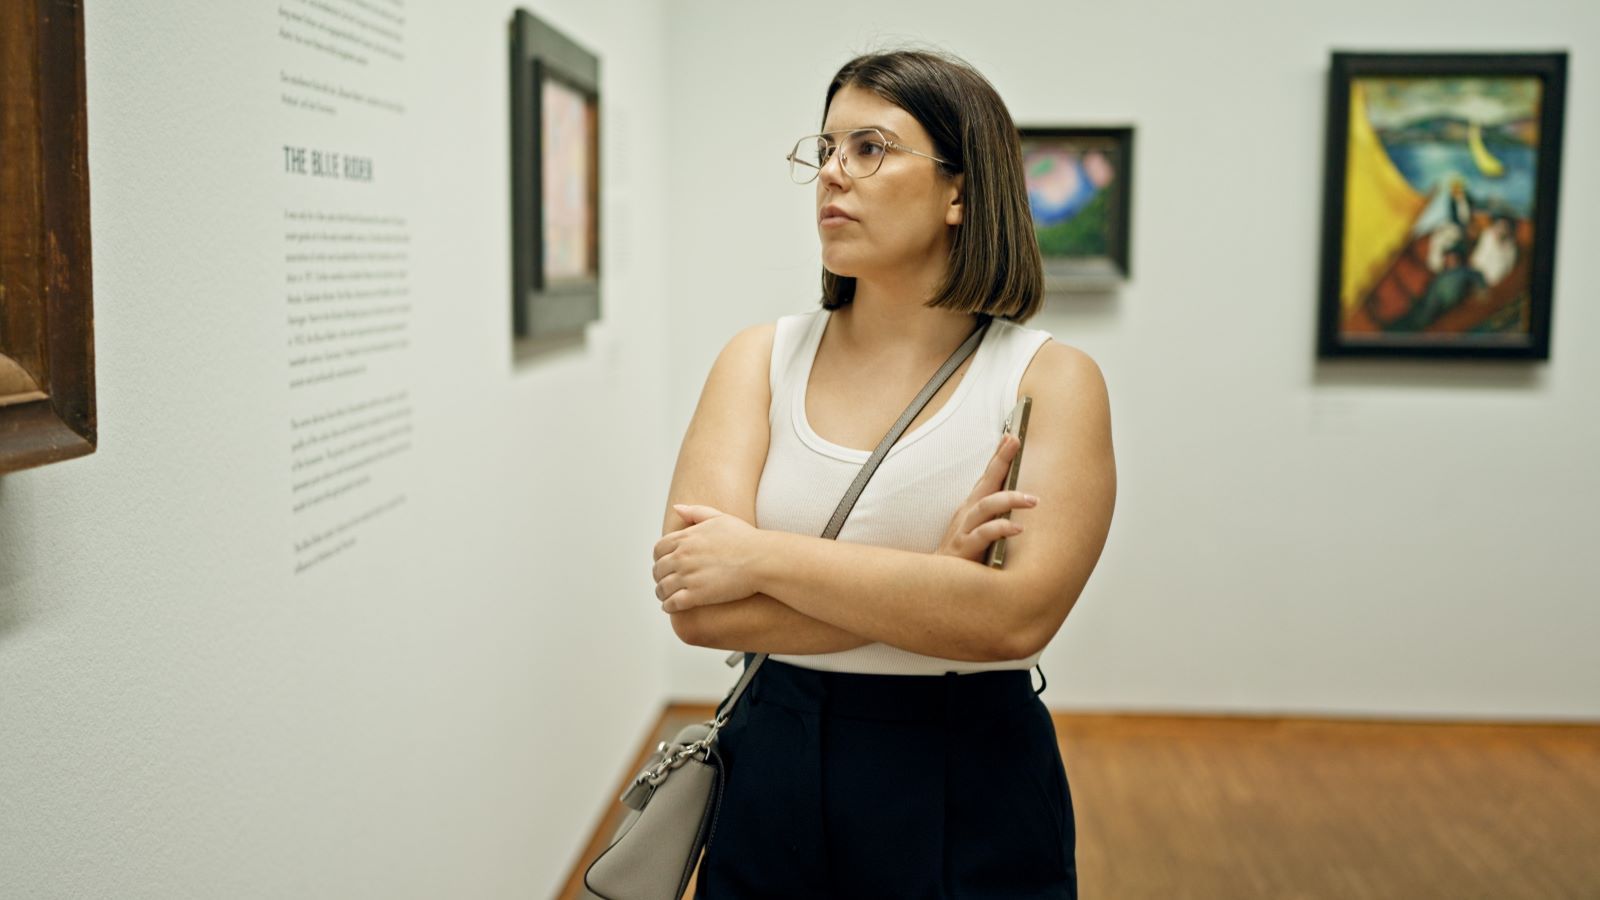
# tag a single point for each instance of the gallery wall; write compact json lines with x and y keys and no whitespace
{"x":206,"y":690}
{"x":221,"y":678}
{"x":1384,"y":538}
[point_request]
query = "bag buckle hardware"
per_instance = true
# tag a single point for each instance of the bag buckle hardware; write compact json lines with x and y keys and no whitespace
{"x":675,"y":755}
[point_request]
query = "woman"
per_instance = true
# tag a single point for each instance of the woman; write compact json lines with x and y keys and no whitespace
{"x":893,"y":745}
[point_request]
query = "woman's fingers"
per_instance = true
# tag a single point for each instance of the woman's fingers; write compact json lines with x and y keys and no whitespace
{"x":667,"y":544}
{"x":997,"y":504}
{"x":666,"y":586}
{"x":976,"y":524}
{"x":677,"y":601}
{"x":977,"y":541}
{"x":1000,"y":501}
{"x":994,"y":476}
{"x":995,"y":529}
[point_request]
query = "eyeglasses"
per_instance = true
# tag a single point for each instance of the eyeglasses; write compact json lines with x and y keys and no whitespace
{"x":861,"y":153}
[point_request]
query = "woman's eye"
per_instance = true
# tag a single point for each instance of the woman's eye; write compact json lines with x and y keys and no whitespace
{"x":869,"y":148}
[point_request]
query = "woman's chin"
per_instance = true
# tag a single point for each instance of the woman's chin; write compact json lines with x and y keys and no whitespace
{"x":840,"y":264}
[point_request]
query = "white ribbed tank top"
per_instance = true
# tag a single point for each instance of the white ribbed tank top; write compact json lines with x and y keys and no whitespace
{"x":912,"y":496}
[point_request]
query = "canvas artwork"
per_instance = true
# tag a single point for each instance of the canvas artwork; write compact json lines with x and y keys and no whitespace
{"x":1079,"y":184}
{"x":555,"y":181}
{"x":568,"y":153}
{"x":1441,"y":210}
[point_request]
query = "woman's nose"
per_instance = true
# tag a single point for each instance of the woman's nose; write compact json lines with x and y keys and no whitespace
{"x":833,"y":171}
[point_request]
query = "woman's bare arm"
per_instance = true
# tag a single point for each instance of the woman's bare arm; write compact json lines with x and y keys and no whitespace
{"x":760,"y":624}
{"x":936,"y":604}
{"x":950,"y":607}
{"x":719,"y":465}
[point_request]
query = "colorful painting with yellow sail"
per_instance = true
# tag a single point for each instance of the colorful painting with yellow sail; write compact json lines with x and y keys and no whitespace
{"x":1439,"y":194}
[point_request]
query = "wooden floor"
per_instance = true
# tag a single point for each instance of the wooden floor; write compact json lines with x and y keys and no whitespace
{"x":1292,"y":809}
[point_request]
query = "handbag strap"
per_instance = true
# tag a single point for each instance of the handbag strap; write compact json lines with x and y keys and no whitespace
{"x":848,"y":502}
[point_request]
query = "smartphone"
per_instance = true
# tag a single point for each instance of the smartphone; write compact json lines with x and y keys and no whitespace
{"x":1017,"y":424}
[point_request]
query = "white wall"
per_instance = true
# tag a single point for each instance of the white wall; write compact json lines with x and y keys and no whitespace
{"x":440,"y":712}
{"x":443,"y":711}
{"x":1388,"y":538}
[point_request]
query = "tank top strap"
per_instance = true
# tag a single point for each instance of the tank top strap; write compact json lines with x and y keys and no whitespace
{"x":790,"y":336}
{"x":1007,"y":351}
{"x":1015,"y":348}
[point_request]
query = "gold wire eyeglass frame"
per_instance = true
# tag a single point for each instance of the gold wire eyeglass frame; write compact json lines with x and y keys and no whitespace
{"x":798,"y":166}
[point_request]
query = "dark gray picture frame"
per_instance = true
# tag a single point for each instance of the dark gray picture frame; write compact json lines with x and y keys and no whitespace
{"x":543,"y":306}
{"x":1111,"y":207}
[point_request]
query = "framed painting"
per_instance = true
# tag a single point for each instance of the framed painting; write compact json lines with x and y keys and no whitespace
{"x":1080,"y":187}
{"x":47,"y":410}
{"x":555,"y":180}
{"x":1439,"y":204}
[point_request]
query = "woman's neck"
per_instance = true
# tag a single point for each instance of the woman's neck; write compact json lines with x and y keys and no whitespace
{"x":897,"y":327}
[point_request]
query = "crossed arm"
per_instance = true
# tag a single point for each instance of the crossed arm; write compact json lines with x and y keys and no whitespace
{"x":816,"y":595}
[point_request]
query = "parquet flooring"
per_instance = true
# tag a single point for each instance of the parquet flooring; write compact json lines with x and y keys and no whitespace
{"x":1212,"y":808}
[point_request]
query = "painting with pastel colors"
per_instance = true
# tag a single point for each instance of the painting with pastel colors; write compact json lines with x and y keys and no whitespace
{"x":1447,"y":182}
{"x":1078,"y":182}
{"x":569,"y":154}
{"x":555,"y":185}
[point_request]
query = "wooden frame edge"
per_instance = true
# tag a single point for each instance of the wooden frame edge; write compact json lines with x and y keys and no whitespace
{"x":61,"y":424}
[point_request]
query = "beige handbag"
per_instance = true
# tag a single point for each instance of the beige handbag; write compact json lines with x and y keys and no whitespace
{"x":672,"y":804}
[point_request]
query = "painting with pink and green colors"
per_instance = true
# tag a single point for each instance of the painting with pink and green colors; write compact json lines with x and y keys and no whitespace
{"x":1079,"y":182}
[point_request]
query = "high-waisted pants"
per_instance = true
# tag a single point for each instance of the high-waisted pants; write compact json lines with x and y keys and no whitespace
{"x":844,"y":785}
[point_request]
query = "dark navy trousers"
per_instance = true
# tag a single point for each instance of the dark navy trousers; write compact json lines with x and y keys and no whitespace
{"x":844,"y":785}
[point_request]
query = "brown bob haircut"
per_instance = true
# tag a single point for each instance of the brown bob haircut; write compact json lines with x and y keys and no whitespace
{"x":994,"y":265}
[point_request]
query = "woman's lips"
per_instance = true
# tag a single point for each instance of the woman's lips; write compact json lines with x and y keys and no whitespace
{"x":832,"y":214}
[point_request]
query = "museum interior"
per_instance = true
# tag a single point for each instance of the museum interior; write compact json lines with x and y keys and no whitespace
{"x":348,"y":349}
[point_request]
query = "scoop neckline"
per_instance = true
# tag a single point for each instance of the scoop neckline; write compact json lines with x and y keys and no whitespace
{"x":815,"y":441}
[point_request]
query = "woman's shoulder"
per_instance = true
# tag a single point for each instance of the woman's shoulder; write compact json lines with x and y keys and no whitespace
{"x":759,"y":352}
{"x":1046,"y":362}
{"x":1062,"y":368}
{"x":752,"y":344}
{"x":765,"y":333}
{"x":738,"y":376}
{"x":774,"y":342}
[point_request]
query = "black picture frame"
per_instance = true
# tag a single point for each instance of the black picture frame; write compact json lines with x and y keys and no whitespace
{"x":546,"y":303}
{"x":1109,"y":261}
{"x":1421,"y":289}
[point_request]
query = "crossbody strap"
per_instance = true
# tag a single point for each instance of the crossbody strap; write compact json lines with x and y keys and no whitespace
{"x":848,"y":502}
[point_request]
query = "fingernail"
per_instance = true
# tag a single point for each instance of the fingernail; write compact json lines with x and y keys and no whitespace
{"x":1030,"y":498}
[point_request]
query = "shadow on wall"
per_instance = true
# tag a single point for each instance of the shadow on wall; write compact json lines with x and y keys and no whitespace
{"x":10,"y":550}
{"x":541,"y":349}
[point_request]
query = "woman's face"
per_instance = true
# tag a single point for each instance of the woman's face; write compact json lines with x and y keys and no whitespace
{"x":902,"y":214}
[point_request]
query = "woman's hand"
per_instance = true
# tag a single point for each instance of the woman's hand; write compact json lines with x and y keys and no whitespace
{"x":710,"y":561}
{"x":976,"y":523}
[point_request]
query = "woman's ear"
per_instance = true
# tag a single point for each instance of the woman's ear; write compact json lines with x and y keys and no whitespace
{"x":952,"y":212}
